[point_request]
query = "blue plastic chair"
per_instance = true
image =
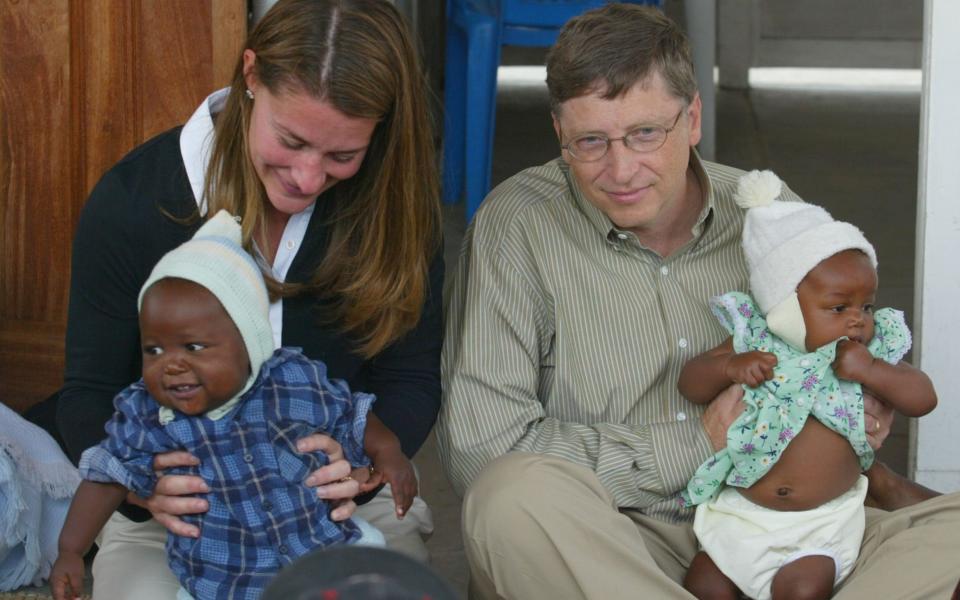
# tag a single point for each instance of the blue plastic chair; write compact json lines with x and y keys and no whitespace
{"x":476,"y":30}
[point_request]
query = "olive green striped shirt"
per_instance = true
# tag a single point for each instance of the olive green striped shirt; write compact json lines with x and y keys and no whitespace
{"x":565,"y":336}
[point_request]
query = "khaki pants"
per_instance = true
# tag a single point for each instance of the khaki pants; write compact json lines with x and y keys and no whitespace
{"x":537,"y":526}
{"x":131,"y":562}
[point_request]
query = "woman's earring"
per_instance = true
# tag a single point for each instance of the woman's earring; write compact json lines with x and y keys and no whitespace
{"x":249,"y":93}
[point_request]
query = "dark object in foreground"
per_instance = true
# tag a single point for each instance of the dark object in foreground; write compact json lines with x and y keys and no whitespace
{"x":357,"y":573}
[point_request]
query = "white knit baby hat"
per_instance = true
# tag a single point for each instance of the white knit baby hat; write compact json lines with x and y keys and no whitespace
{"x":215,"y":259}
{"x":783,"y":241}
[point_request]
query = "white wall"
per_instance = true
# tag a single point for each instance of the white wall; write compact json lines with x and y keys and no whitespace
{"x":936,"y":455}
{"x":816,"y":33}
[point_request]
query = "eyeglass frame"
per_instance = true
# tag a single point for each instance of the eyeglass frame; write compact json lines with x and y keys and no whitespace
{"x":623,"y":139}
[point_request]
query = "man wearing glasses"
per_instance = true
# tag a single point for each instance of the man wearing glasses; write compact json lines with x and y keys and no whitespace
{"x":581,"y":291}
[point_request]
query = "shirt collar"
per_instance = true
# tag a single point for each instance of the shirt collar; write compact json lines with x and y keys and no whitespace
{"x":607,"y":229}
{"x":196,"y":142}
{"x":707,"y":187}
{"x":167,"y":414}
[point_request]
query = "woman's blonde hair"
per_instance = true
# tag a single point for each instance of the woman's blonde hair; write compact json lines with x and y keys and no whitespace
{"x":358,"y":56}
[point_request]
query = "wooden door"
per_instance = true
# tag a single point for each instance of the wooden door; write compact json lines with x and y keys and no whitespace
{"x":81,"y":83}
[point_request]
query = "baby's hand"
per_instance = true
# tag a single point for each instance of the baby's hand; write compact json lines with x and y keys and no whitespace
{"x":66,"y":578}
{"x":853,"y":361}
{"x":397,"y":470}
{"x":751,"y":368}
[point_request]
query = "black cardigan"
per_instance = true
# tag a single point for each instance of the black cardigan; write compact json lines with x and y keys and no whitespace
{"x":121,"y":235}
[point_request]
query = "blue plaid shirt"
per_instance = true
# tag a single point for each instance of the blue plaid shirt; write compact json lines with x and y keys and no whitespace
{"x":261,"y":514}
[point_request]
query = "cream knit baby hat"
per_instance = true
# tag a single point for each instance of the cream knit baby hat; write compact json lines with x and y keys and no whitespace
{"x":783,"y":241}
{"x":215,"y":259}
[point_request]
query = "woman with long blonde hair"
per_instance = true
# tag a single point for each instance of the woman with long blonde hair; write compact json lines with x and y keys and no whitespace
{"x":323,"y":147}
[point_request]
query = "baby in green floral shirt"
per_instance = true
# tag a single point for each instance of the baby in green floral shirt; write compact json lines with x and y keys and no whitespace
{"x":782,"y":504}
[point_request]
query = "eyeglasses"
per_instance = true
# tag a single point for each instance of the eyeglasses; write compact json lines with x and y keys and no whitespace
{"x":592,"y":147}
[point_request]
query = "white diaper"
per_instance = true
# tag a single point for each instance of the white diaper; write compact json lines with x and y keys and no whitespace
{"x":750,"y":543}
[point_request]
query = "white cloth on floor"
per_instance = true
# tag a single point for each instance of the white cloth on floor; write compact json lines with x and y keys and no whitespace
{"x":37,"y":482}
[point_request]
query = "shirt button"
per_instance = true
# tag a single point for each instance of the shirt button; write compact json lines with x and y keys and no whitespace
{"x":622,"y":236}
{"x":681,"y":416}
{"x":682,"y":342}
{"x":291,"y":244}
{"x":247,"y":458}
{"x":664,"y":270}
{"x":267,"y":505}
{"x":283,"y":549}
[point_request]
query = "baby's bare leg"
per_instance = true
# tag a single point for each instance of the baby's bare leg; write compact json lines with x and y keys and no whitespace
{"x":807,"y":578}
{"x":707,"y":582}
{"x":890,"y":491}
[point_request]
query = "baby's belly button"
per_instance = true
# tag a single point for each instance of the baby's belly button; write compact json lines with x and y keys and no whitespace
{"x":816,"y":467}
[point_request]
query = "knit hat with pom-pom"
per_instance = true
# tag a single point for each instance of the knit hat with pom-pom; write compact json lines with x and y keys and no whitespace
{"x":783,"y":241}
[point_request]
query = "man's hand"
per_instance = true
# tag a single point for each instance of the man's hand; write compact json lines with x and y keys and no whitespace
{"x":877,"y":420}
{"x":721,"y":413}
{"x":750,"y":368}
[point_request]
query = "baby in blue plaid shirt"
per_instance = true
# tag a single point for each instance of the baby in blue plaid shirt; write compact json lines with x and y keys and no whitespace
{"x":213,"y":385}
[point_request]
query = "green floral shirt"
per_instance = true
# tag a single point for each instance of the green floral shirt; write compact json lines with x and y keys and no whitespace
{"x":803,"y":384}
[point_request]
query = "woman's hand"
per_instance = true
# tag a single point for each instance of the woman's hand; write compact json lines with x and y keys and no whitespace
{"x":174,"y":494}
{"x":877,"y":420}
{"x":337,"y":481}
{"x":721,"y":413}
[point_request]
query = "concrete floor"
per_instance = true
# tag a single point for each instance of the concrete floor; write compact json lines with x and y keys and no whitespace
{"x":852,"y":150}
